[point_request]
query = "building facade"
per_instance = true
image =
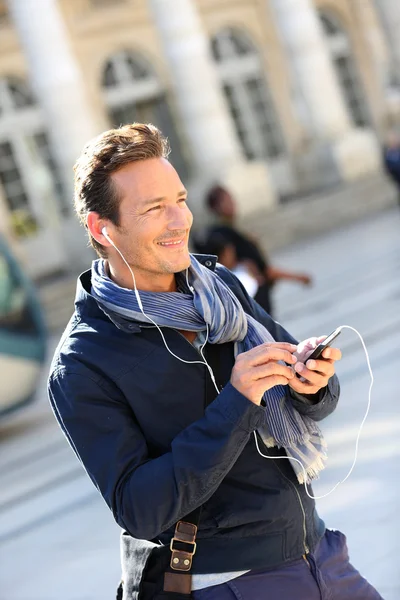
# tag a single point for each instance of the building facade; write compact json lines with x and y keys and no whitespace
{"x":274,"y":98}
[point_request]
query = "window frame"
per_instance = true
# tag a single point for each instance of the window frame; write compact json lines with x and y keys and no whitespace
{"x":237,"y":71}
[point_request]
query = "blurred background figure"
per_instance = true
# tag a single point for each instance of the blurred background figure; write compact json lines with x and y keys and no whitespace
{"x":246,"y":271}
{"x":250,"y":259}
{"x":391,"y":159}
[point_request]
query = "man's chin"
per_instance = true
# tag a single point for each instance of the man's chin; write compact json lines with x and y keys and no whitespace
{"x":176,"y":265}
{"x":182,"y":264}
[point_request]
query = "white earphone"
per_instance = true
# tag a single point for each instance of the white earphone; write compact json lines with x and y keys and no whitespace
{"x":205,"y":363}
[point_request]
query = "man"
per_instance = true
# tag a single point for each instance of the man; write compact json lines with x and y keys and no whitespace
{"x":173,"y":387}
{"x":222,"y":205}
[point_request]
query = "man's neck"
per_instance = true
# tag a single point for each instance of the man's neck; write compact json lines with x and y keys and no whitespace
{"x":123,"y":278}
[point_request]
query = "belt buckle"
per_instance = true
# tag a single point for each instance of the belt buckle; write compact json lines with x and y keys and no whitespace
{"x":185,"y":533}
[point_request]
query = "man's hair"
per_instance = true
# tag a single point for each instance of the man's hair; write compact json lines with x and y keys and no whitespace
{"x":102,"y":156}
{"x":214,"y":196}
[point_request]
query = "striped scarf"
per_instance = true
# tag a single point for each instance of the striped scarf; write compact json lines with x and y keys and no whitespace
{"x":212,"y":303}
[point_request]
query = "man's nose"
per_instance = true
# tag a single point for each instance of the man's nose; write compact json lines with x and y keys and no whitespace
{"x":178,"y":218}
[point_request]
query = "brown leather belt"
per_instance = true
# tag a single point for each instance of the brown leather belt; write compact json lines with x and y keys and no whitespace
{"x":183,"y":548}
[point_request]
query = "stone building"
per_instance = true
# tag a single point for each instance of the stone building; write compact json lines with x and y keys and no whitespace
{"x":274,"y":98}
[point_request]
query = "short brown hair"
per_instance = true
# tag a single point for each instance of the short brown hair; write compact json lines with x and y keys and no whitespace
{"x":213,"y":197}
{"x":102,"y":156}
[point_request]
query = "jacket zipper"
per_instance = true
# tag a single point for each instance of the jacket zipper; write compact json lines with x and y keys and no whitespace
{"x":306,"y":548}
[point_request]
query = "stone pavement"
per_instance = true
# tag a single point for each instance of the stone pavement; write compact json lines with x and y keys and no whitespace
{"x":57,"y":538}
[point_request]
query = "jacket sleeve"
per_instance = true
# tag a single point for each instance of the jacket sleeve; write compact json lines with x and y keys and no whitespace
{"x":321,"y":405}
{"x":149,"y":495}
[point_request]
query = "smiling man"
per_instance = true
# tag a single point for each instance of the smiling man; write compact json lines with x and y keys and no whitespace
{"x":161,"y":225}
{"x":173,"y":387}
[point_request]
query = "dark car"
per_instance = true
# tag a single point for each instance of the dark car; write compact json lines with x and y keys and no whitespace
{"x":22,"y":334}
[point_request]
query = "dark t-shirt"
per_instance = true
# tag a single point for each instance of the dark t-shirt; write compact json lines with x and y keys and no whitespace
{"x":246,"y":249}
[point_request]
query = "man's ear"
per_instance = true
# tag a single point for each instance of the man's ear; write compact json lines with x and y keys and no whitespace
{"x":96,"y":225}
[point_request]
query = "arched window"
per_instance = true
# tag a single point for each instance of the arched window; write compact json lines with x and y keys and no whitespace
{"x":250,"y":103}
{"x":342,"y":57}
{"x":25,"y":157}
{"x":133,"y":92}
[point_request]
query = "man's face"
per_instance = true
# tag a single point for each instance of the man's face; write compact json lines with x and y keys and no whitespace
{"x":154,"y":222}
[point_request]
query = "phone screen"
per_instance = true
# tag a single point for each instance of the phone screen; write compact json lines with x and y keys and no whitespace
{"x":321,"y":347}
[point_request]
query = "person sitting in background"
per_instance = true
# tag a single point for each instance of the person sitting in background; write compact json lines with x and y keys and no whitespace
{"x":218,"y":245}
{"x":221,"y":203}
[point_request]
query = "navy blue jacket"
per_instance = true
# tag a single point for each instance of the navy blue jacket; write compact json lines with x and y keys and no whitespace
{"x":157,"y":442}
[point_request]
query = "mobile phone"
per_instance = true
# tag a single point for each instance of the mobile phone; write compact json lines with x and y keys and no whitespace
{"x":316,"y":354}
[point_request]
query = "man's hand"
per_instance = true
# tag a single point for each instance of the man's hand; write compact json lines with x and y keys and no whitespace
{"x":315,"y":374}
{"x":258,"y":370}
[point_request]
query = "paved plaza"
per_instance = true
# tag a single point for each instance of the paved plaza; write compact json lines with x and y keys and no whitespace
{"x":57,"y":537}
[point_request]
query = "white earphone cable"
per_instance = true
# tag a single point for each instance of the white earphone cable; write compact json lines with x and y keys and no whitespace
{"x":188,"y":362}
{"x":357,"y":439}
{"x":205,"y":363}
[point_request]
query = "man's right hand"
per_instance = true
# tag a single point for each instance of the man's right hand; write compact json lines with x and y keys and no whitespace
{"x":258,"y":369}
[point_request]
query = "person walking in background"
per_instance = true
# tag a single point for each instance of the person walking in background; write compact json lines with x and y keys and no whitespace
{"x":391,"y":159}
{"x":221,"y":203}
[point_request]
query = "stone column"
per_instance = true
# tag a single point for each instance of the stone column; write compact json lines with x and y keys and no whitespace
{"x":207,"y":125}
{"x":313,"y":73}
{"x":389,"y":13}
{"x":59,"y":88}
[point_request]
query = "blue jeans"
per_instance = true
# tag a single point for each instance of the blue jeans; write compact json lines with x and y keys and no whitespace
{"x":326,"y":575}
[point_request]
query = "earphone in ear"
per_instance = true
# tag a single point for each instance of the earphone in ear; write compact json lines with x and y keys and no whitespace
{"x":104,"y":232}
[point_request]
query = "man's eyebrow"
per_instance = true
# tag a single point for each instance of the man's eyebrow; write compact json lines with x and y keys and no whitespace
{"x":162,"y":198}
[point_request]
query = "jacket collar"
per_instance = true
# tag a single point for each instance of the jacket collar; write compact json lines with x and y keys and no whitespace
{"x":86,"y":305}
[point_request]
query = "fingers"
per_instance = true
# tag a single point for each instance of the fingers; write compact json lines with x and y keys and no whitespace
{"x":268,"y":352}
{"x":313,"y":377}
{"x":305,"y":348}
{"x":272,"y":369}
{"x":322,"y":367}
{"x":332,"y":354}
{"x":246,"y":377}
{"x":262,"y":368}
{"x":270,"y":382}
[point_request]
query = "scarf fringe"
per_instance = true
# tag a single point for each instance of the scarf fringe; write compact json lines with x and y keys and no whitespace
{"x":312,"y":471}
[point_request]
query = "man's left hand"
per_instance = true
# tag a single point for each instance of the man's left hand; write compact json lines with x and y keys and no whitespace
{"x":314,"y":374}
